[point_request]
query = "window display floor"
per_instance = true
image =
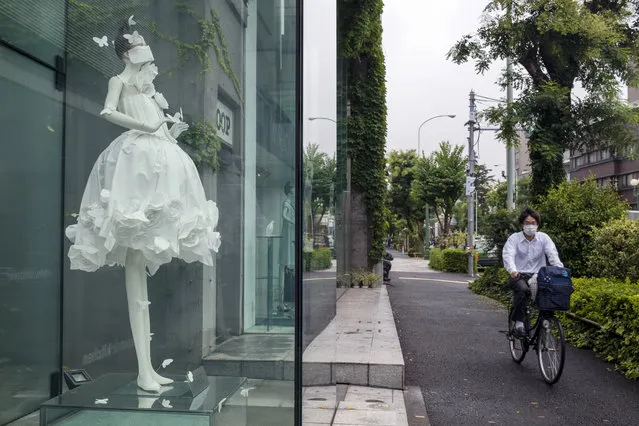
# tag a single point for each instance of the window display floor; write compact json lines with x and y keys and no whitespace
{"x":116,"y":399}
{"x":254,"y":356}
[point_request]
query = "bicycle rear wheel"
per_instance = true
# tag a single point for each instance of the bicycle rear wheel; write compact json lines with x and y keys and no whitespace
{"x":551,"y":349}
{"x":518,"y":346}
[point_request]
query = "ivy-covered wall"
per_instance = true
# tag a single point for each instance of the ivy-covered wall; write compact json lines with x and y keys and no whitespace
{"x":360,"y":49}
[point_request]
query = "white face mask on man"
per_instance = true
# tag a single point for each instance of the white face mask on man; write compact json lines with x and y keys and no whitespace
{"x":530,"y":230}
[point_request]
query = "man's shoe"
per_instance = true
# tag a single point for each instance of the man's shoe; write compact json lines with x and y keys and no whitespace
{"x":519,"y":330}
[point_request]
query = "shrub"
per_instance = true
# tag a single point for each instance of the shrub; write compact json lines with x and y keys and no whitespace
{"x":449,"y":260}
{"x":571,"y":211}
{"x":615,"y":251}
{"x":493,"y":283}
{"x":610,"y":303}
{"x":365,"y":278}
{"x":457,"y":239}
{"x":615,"y":306}
{"x":436,"y":259}
{"x":498,"y":227}
{"x":307,"y":259}
{"x":321,"y":259}
{"x":455,"y":260}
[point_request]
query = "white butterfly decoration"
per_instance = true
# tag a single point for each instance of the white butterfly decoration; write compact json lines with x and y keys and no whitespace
{"x":102,"y":41}
{"x":143,"y":304}
{"x":189,"y":377}
{"x":166,"y":403}
{"x":245,"y":391}
{"x":135,"y":38}
{"x":167,"y":362}
{"x":131,"y":21}
{"x":151,"y":336}
{"x":270,"y":228}
{"x":102,"y":401}
{"x":177,"y":117}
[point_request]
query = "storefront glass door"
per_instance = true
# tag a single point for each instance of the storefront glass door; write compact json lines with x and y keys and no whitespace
{"x":31,"y":123}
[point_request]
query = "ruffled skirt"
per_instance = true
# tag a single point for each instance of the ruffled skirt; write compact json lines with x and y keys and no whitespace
{"x":143,"y":193}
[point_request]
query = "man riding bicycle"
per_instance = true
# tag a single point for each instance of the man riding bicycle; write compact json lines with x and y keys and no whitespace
{"x":523,"y":255}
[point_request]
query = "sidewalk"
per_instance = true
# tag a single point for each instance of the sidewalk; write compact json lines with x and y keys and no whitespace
{"x":353,"y":371}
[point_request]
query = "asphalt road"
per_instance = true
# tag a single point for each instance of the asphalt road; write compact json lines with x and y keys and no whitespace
{"x":453,"y":350}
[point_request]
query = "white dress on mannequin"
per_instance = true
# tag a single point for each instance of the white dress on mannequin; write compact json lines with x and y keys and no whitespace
{"x":144,"y":193}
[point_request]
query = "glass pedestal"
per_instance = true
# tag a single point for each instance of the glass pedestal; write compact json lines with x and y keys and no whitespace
{"x":115,"y":399}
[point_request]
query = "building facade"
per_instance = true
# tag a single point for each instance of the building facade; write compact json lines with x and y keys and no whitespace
{"x":231,"y":70}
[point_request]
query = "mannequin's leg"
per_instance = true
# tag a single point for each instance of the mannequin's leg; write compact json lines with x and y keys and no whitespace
{"x":147,"y":331}
{"x":138,"y":310}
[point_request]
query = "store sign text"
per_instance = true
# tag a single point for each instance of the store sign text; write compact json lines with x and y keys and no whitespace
{"x":224,"y":119}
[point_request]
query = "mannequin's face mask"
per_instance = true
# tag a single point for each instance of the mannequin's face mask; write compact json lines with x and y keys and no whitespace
{"x":140,"y":54}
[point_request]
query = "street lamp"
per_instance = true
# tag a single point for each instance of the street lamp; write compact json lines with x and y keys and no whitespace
{"x":635,"y":190}
{"x":322,"y":118}
{"x":426,"y":214}
{"x":426,"y":121}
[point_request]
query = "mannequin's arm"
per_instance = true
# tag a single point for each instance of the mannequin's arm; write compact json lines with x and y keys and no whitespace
{"x":111,"y":114}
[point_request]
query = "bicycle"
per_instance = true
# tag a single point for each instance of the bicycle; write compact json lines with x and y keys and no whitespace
{"x":545,"y":336}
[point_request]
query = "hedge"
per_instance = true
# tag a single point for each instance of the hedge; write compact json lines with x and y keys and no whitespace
{"x":317,"y":259}
{"x":615,"y":306}
{"x":610,"y":303}
{"x":436,"y":259}
{"x":449,"y":260}
{"x":321,"y":259}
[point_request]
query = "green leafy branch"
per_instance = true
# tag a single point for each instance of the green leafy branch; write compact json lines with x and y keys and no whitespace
{"x":211,"y":37}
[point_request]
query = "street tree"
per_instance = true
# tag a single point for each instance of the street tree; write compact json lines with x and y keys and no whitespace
{"x":555,"y":46}
{"x":400,"y":171}
{"x":484,"y":181}
{"x":320,"y":171}
{"x":439,"y":181}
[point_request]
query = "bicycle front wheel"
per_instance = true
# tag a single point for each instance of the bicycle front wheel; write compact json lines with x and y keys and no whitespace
{"x":551,"y":349}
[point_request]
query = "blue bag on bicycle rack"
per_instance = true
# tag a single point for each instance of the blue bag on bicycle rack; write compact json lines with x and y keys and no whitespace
{"x":554,"y":288}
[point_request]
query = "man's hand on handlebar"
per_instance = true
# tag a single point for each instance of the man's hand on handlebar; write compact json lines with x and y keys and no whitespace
{"x":514,"y":275}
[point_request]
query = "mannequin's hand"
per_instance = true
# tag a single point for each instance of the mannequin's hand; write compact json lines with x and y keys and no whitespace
{"x":177,"y":129}
{"x":151,"y":128}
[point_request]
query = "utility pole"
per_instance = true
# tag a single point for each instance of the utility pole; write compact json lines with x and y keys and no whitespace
{"x":470,"y":185}
{"x":510,"y":150}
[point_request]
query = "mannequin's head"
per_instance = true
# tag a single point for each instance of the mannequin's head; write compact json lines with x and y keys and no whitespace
{"x":131,"y":47}
{"x":288,"y":189}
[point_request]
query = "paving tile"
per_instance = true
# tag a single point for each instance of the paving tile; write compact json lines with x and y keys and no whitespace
{"x":365,"y":417}
{"x":317,"y":415}
{"x":360,"y":393}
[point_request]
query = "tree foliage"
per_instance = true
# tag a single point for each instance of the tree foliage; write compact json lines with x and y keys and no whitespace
{"x":571,"y":211}
{"x":360,"y":48}
{"x":439,"y":181}
{"x":321,"y":169}
{"x":556,"y":45}
{"x":400,"y":171}
{"x":615,"y":252}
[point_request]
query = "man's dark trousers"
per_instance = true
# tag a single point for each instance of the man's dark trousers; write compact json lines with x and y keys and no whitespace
{"x":520,"y":290}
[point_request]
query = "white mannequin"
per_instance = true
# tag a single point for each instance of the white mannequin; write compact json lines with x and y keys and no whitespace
{"x":135,"y":271}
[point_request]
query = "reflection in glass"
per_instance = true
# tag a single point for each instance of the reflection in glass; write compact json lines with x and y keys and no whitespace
{"x":30,"y":219}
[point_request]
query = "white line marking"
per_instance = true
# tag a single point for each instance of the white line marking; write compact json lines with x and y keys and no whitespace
{"x":430,"y":279}
{"x":320,"y":279}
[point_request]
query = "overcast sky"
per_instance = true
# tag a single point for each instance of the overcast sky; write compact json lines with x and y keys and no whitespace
{"x":421,"y":83}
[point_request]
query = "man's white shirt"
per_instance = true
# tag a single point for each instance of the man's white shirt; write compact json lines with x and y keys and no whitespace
{"x":525,"y":256}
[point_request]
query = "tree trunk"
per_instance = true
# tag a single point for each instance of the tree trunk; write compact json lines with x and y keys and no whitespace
{"x":547,"y":145}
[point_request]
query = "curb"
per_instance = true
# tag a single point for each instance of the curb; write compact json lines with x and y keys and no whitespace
{"x":415,"y":406}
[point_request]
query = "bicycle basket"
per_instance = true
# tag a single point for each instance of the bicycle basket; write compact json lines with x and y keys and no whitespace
{"x":554,"y":288}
